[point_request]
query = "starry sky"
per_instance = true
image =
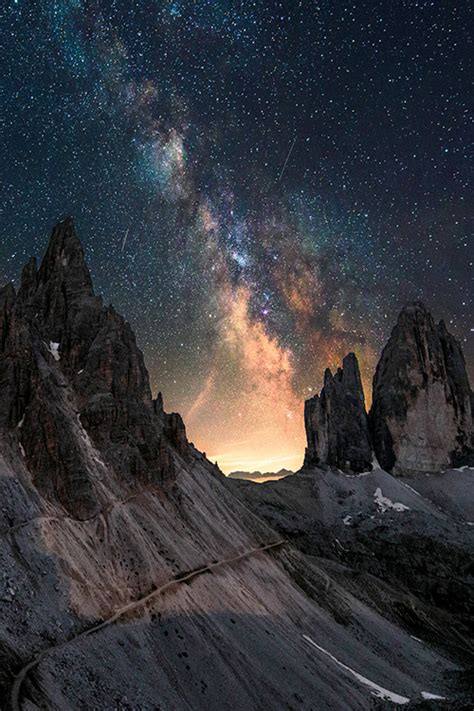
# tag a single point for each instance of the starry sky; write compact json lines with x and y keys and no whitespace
{"x":259,"y":186}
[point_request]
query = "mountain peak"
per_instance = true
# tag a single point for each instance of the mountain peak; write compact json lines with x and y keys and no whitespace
{"x":421,"y":412}
{"x":336,"y":421}
{"x":64,"y":262}
{"x":72,"y":374}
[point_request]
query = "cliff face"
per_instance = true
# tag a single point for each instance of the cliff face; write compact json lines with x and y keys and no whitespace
{"x":336,"y":422}
{"x":75,"y":398}
{"x":421,"y":418}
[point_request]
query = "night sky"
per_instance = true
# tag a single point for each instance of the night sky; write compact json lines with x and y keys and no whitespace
{"x":259,"y":187}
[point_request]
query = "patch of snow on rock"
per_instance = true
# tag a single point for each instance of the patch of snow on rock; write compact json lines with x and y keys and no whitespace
{"x":426,"y":695}
{"x":385,"y":504}
{"x":377,"y":690}
{"x":407,"y":486}
{"x":347,"y":520}
{"x":54,"y":350}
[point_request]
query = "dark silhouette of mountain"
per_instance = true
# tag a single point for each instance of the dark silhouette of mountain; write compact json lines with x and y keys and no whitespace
{"x":259,"y":475}
{"x":336,"y":422}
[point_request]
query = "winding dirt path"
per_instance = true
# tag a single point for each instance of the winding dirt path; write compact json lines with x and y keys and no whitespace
{"x":130,"y":607}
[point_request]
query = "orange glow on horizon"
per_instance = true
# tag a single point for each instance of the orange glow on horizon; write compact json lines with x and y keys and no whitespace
{"x":258,"y":422}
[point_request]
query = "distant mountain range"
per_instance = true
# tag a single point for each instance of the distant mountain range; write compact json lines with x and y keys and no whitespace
{"x":254,"y":476}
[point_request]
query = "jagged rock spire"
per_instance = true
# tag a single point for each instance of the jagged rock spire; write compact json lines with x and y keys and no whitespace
{"x":421,"y":418}
{"x":64,"y":261}
{"x":74,"y":390}
{"x":336,"y":421}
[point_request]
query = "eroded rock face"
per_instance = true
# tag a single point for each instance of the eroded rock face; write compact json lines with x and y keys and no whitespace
{"x":173,"y":427}
{"x":336,"y":421}
{"x":74,"y":390}
{"x":421,"y":417}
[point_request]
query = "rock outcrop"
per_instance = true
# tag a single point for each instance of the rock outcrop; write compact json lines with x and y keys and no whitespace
{"x":173,"y":427}
{"x":336,"y":421}
{"x":421,"y":417}
{"x":75,"y":397}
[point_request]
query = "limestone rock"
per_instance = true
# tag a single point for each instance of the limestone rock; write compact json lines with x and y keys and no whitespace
{"x":74,"y":390}
{"x":173,"y":427}
{"x":421,"y":417}
{"x":336,"y":421}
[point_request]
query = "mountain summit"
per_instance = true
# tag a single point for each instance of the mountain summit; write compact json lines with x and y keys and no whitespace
{"x":421,"y":416}
{"x":336,"y":421}
{"x":74,"y":390}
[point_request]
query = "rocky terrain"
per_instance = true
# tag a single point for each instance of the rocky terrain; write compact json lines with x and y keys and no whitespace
{"x":403,"y":535}
{"x":414,"y":535}
{"x":134,"y":575}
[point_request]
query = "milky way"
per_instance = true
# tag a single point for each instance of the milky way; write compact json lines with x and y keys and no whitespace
{"x":259,"y":186}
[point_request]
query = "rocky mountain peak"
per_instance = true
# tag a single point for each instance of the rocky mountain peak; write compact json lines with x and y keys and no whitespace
{"x":349,"y":376}
{"x":64,"y":262}
{"x":75,"y":399}
{"x":336,"y":421}
{"x":421,"y":417}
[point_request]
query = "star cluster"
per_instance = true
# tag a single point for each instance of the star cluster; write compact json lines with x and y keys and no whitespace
{"x":259,"y":186}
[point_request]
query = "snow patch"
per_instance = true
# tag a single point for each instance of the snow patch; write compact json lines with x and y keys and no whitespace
{"x":426,"y":695}
{"x":54,"y":350}
{"x":347,"y":520}
{"x":22,"y":450}
{"x":384,"y":503}
{"x":377,"y":690}
{"x":20,"y":424}
{"x":407,"y":486}
{"x":375,"y":463}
